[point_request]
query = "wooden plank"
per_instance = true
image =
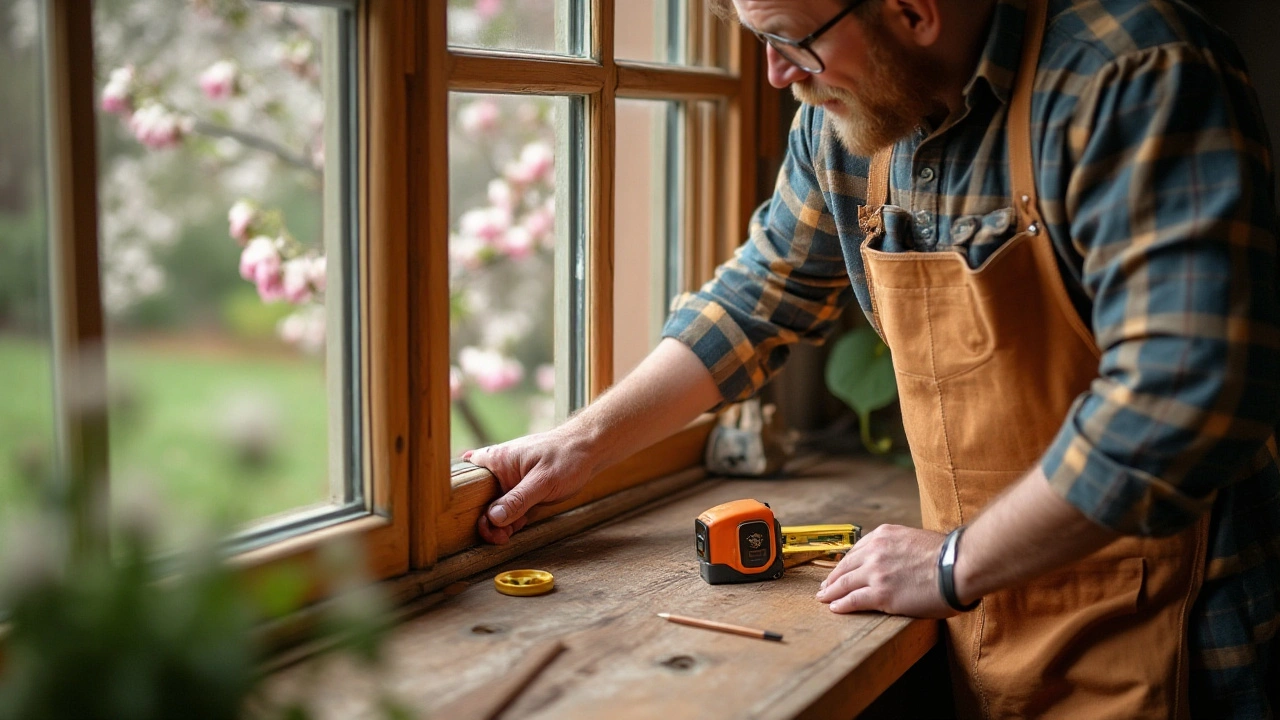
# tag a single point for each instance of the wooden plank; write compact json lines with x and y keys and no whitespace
{"x":622,"y":661}
{"x":673,"y":82}
{"x":79,"y":343}
{"x":474,"y":490}
{"x":429,"y":282}
{"x":480,"y":71}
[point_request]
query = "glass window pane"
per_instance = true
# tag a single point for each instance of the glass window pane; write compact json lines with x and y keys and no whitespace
{"x":26,"y":382}
{"x":507,"y":176}
{"x":648,"y":236}
{"x":227,"y":254}
{"x":670,"y":31}
{"x":647,"y":30}
{"x":547,"y":26}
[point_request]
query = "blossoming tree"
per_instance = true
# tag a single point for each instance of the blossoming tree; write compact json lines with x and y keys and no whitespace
{"x":255,"y":114}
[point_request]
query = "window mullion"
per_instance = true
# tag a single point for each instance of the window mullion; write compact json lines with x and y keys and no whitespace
{"x":602,"y":124}
{"x":80,"y":380}
{"x":429,"y":138}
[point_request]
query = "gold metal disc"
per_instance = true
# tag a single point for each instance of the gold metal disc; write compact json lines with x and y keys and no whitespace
{"x":523,"y":583}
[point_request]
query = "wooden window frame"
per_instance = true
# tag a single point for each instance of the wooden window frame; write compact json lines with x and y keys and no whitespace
{"x":423,"y":509}
{"x":383,"y":58}
{"x":449,"y":501}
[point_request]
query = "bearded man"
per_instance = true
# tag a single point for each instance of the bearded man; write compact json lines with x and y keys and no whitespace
{"x":1059,"y":216}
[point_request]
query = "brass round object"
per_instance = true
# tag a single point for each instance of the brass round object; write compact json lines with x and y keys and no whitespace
{"x":524,"y":583}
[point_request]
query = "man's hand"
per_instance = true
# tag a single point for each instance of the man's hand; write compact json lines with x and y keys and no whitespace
{"x":893,"y":569}
{"x":543,"y":468}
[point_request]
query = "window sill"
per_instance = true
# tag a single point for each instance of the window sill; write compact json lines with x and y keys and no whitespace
{"x":610,"y":582}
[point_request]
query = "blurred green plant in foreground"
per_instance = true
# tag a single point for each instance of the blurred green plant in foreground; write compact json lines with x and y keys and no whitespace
{"x":130,"y":634}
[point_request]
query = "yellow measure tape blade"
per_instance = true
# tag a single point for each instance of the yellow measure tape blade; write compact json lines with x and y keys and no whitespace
{"x":523,"y":583}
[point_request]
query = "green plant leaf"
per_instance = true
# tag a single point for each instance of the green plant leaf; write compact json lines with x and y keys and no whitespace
{"x":860,"y":371}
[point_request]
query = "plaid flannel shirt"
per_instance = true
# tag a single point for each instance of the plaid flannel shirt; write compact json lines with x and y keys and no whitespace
{"x":1155,"y":173}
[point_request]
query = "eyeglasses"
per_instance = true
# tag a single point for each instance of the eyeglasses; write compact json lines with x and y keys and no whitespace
{"x":799,"y":52}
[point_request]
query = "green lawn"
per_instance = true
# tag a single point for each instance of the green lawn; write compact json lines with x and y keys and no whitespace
{"x":172,"y":411}
{"x":171,"y":408}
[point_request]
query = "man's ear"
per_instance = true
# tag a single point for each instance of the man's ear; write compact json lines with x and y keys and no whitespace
{"x":918,"y":22}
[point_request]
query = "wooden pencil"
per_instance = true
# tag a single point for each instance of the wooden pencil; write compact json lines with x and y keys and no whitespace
{"x":722,"y":627}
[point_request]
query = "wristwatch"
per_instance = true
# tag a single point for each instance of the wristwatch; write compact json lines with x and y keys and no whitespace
{"x":947,"y":569}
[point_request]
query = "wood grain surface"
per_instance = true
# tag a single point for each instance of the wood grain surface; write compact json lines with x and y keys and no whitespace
{"x":624,"y":662}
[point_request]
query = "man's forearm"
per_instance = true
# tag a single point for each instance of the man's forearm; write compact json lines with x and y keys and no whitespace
{"x":667,"y":391}
{"x":1025,"y":532}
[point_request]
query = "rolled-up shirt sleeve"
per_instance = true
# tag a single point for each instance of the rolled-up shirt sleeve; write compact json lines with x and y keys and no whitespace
{"x":787,"y":284}
{"x":1170,"y":208}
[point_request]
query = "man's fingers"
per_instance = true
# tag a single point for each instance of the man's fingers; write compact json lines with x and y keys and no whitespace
{"x":843,"y":585}
{"x":490,"y":534}
{"x":846,"y":565}
{"x":857,"y":601}
{"x":511,"y":507}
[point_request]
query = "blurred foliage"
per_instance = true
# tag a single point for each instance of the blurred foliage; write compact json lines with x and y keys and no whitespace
{"x":24,"y":263}
{"x":107,"y":640}
{"x":125,"y":635}
{"x":860,"y":372}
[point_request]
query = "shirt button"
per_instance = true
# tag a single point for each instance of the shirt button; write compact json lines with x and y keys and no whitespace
{"x":926,"y":174}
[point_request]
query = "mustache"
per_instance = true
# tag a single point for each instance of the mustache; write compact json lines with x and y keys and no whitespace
{"x":810,"y":94}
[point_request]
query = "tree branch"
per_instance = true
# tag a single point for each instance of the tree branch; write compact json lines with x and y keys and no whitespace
{"x":473,"y":422}
{"x":258,"y":143}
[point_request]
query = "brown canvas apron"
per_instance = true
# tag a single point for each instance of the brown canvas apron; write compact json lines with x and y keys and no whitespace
{"x":988,"y":363}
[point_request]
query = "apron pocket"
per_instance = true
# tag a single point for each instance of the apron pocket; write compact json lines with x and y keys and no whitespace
{"x":1072,"y":642}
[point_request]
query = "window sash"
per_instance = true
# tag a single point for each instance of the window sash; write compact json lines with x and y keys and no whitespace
{"x":404,"y":72}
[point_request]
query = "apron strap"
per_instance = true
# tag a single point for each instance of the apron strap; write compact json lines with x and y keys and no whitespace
{"x":1021,"y":164}
{"x":878,"y":178}
{"x":1025,"y":198}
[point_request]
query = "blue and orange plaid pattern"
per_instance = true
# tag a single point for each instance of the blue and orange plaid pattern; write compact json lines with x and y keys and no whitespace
{"x":1156,"y":181}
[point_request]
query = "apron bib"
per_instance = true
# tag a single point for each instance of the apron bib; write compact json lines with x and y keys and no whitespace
{"x":988,"y":363}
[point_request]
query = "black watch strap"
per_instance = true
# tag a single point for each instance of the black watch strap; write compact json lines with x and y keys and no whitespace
{"x":947,"y":570}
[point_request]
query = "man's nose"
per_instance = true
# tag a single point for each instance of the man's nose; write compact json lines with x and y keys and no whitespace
{"x":782,"y":72}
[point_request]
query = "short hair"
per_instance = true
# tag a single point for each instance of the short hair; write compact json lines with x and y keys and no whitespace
{"x":725,"y":10}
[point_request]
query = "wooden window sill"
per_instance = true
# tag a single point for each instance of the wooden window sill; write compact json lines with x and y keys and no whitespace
{"x":610,"y":583}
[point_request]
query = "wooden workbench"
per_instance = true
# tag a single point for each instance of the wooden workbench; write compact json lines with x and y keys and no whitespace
{"x":624,"y":662}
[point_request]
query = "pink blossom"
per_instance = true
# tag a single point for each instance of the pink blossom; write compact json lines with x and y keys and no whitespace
{"x":486,"y":9}
{"x":488,"y":223}
{"x":546,"y":378}
{"x":490,"y":369}
{"x":528,"y":113}
{"x":478,"y":117}
{"x":260,"y":264}
{"x":455,"y":382}
{"x":270,"y":287}
{"x":468,"y":251}
{"x":117,"y":95}
{"x":296,"y":283}
{"x":317,"y":273}
{"x":537,"y":161}
{"x":517,"y":243}
{"x":219,"y":80}
{"x":540,"y":223}
{"x":305,"y":328}
{"x":241,"y":218}
{"x":501,"y":195}
{"x":157,"y":127}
